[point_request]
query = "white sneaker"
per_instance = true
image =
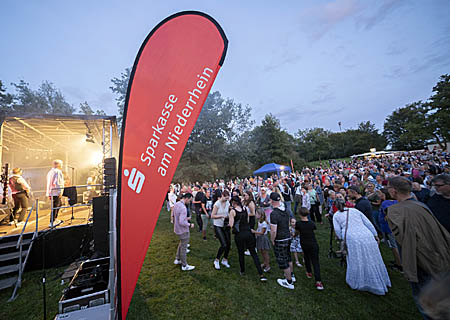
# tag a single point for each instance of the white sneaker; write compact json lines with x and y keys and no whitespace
{"x":187,"y":250}
{"x":188,"y":245}
{"x":293,"y":278}
{"x":216,"y":265}
{"x":284,"y":283}
{"x":225,"y":263}
{"x":176,"y":261}
{"x":247,"y":253}
{"x":187,"y":268}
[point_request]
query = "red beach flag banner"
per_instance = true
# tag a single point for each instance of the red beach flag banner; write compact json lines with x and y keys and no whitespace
{"x":171,"y":78}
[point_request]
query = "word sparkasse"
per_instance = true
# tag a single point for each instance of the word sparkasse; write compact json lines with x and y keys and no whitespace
{"x":182,"y":118}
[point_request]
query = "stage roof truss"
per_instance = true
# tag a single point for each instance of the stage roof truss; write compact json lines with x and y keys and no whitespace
{"x":50,"y":132}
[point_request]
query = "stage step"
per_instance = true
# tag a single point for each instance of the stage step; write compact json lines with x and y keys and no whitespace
{"x":9,"y":269}
{"x":12,"y":255}
{"x":8,"y":282}
{"x":14,"y":243}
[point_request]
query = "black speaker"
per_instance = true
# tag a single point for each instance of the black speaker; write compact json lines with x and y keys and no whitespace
{"x":101,"y":226}
{"x":109,"y":173}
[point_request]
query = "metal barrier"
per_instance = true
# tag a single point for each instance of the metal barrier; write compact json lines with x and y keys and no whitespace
{"x":19,"y":246}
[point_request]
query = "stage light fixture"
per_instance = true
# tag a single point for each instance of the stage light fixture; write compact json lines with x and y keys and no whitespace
{"x":89,"y":137}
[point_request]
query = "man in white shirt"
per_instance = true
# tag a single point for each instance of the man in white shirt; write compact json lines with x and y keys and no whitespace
{"x":55,"y":181}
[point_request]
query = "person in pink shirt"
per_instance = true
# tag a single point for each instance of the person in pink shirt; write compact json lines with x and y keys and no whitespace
{"x":181,"y":225}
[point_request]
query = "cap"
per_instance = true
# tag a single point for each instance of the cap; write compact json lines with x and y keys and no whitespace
{"x":275,"y":196}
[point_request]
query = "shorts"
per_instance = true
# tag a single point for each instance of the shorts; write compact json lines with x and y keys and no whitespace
{"x":282,"y":251}
{"x":390,"y":241}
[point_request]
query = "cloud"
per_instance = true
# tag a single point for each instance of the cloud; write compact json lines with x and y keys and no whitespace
{"x":384,"y":10}
{"x":395,"y":49}
{"x":287,"y":60}
{"x":324,"y":93}
{"x":324,"y":17}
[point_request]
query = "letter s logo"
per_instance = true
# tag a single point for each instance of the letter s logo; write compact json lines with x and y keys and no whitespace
{"x":135,"y":180}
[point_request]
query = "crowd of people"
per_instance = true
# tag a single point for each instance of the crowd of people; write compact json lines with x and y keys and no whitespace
{"x":401,"y":200}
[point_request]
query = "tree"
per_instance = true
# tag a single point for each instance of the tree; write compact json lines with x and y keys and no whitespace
{"x":313,"y":144}
{"x":439,"y":111}
{"x":85,"y":108}
{"x":271,"y":143}
{"x":6,"y":100}
{"x":47,"y":99}
{"x":120,"y":87}
{"x":407,"y":127}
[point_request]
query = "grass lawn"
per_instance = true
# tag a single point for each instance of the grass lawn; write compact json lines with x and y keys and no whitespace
{"x":163,"y":291}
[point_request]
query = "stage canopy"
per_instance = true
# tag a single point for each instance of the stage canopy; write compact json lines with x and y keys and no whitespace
{"x":271,"y":167}
{"x":32,"y":141}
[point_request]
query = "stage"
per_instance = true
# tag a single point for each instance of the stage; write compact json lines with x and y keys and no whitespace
{"x":81,"y":216}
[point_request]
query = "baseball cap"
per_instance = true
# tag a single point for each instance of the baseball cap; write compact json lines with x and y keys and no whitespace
{"x":275,"y":196}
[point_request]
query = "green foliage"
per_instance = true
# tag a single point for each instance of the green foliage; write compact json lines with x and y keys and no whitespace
{"x":439,"y":111}
{"x":46,"y":99}
{"x":6,"y":100}
{"x":214,"y":148}
{"x":120,"y":87}
{"x":86,"y":109}
{"x":407,"y":127}
{"x":319,"y":144}
{"x":417,"y":124}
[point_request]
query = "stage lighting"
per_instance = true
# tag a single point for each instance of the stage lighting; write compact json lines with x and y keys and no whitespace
{"x":89,"y":137}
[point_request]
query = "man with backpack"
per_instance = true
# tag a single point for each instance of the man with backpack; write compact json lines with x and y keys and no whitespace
{"x":20,"y":190}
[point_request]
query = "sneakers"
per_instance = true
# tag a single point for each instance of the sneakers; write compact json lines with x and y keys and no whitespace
{"x":263,"y":279}
{"x":187,"y":250}
{"x":216,"y":265}
{"x":319,"y":285}
{"x":225,"y":263}
{"x":293,"y":278}
{"x":298,"y":264}
{"x":204,"y":238}
{"x":309,"y":275}
{"x":247,"y":253}
{"x":285,"y":283}
{"x":176,"y":261}
{"x":266,"y":269}
{"x":187,"y":268}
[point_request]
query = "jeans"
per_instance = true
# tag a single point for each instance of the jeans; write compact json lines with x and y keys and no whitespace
{"x":199,"y":220}
{"x":224,"y":236}
{"x":56,"y":203}
{"x":288,"y":206}
{"x":246,"y":240}
{"x":20,"y":201}
{"x":182,"y":247}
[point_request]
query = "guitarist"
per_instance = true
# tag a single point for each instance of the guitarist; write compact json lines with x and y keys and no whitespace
{"x":20,"y":192}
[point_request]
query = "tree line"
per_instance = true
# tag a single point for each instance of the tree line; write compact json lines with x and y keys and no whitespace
{"x":226,"y":143}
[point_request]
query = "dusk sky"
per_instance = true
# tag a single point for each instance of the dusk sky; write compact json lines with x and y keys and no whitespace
{"x":309,"y":63}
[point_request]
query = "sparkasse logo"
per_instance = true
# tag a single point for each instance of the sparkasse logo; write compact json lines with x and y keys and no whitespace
{"x":135,"y":179}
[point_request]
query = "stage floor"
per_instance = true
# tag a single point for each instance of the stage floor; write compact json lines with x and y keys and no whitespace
{"x":81,"y":216}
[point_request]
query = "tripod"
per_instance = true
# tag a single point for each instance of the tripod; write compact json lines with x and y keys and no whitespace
{"x":331,"y":253}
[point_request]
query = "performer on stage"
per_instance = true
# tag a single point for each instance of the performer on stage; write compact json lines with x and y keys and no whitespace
{"x":20,"y":192}
{"x":55,"y":180}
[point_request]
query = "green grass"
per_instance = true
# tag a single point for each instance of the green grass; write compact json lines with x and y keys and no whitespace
{"x":163,"y":291}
